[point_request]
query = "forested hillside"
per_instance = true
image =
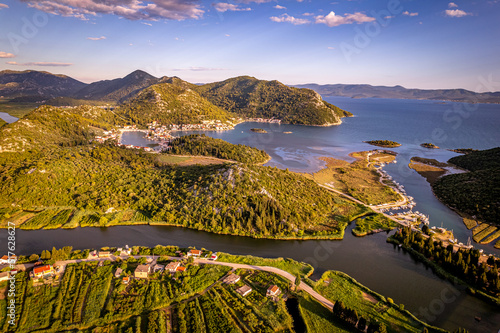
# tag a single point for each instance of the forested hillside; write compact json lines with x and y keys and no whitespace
{"x":170,"y":104}
{"x":202,"y":145}
{"x":254,"y":98}
{"x":477,"y":192}
{"x":95,"y":184}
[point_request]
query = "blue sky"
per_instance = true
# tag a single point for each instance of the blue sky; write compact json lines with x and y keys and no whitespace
{"x":417,"y":44}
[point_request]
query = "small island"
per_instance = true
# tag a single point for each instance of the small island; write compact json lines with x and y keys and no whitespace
{"x":464,"y":151}
{"x":429,"y":145}
{"x":383,"y":143}
{"x":258,"y":130}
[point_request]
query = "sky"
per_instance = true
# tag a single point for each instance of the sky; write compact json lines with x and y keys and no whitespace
{"x":417,"y":44}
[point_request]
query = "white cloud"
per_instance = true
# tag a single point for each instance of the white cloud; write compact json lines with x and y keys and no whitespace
{"x":42,"y":63}
{"x":389,"y":17}
{"x":279,"y":7}
{"x":227,"y":35}
{"x":96,"y":38}
{"x":333,"y":20}
{"x":2,"y":5}
{"x":308,"y":14}
{"x":452,"y":5}
{"x":6,"y":55}
{"x":456,"y":13}
{"x":330,"y":48}
{"x":146,"y":23}
{"x":407,"y":13}
{"x":224,"y":7}
{"x":289,"y":19}
{"x":129,"y":9}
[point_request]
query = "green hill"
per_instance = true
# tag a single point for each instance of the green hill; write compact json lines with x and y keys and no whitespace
{"x":170,"y":104}
{"x":47,"y":127}
{"x":196,"y":144}
{"x":254,"y":98}
{"x":476,"y":192}
{"x":95,"y":184}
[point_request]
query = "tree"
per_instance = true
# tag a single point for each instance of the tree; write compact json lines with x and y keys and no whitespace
{"x":362,"y":324}
{"x":45,"y":255}
{"x":33,"y":257}
{"x":297,"y":281}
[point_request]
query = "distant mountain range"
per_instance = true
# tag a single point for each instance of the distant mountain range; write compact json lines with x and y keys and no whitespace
{"x":31,"y":85}
{"x":144,"y":97}
{"x":399,"y":92}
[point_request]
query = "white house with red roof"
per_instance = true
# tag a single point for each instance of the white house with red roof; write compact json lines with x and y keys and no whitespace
{"x":42,"y":271}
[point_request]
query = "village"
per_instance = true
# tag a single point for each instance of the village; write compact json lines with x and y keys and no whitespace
{"x":149,"y":266}
{"x":162,"y":134}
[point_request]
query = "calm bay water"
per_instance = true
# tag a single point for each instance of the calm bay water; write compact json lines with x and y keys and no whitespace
{"x":7,"y":117}
{"x":380,"y":266}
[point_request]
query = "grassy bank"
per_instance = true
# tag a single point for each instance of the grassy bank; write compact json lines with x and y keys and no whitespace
{"x":368,"y":224}
{"x":442,"y":273}
{"x":358,"y":179}
{"x":338,"y":286}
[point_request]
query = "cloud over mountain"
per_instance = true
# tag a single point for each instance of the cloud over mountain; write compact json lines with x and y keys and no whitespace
{"x":40,"y":63}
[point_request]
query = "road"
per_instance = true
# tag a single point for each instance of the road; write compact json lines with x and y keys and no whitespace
{"x":329,"y":188}
{"x":303,"y":286}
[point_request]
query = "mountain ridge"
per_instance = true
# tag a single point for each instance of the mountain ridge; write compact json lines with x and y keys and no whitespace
{"x":400,"y":92}
{"x":243,"y":96}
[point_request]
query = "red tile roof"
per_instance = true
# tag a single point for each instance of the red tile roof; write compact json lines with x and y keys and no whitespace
{"x":273,"y":289}
{"x":42,"y":269}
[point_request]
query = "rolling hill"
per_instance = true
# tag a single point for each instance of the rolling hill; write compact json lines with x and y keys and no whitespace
{"x":253,"y":98}
{"x":170,"y":103}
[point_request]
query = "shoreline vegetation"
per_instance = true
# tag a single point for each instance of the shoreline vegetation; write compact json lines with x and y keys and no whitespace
{"x":430,"y":169}
{"x":360,"y":178}
{"x":463,"y":266}
{"x":383,"y":143}
{"x":429,"y":145}
{"x":98,"y":290}
{"x":472,"y":194}
{"x":464,"y":151}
